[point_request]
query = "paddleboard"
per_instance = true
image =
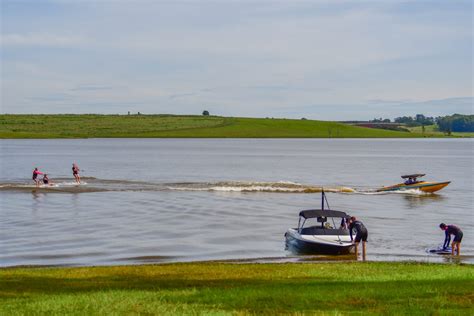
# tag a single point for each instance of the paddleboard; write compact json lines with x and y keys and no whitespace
{"x":439,"y":250}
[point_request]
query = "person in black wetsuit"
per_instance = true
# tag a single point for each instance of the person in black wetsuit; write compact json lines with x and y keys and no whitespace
{"x":452,"y":230}
{"x":46,"y":180}
{"x":361,"y":234}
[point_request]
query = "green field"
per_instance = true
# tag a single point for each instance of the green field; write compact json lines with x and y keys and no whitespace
{"x":239,"y":289}
{"x":168,"y":126}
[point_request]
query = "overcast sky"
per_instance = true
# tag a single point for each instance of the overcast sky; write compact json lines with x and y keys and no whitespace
{"x":329,"y":60}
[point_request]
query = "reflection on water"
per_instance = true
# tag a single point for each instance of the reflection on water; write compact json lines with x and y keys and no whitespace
{"x":37,"y":196}
{"x":414,"y":201}
{"x":168,"y":200}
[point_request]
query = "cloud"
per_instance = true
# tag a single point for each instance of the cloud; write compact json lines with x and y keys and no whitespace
{"x":334,"y":59}
{"x":33,"y":39}
{"x":182,"y":95}
{"x":91,"y":87}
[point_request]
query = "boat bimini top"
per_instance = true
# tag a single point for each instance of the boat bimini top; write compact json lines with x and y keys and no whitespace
{"x":322,"y":217}
{"x":322,"y":213}
{"x":414,"y":176}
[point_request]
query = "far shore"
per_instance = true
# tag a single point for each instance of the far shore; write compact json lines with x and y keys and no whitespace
{"x":13,"y":126}
{"x":244,"y":288}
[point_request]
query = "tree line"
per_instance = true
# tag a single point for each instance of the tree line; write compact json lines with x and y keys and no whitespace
{"x":456,"y":123}
{"x":447,"y":124}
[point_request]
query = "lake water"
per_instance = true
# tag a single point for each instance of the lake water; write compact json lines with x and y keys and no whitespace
{"x":168,"y":200}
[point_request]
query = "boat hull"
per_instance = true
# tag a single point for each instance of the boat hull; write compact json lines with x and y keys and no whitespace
{"x":298,"y":245}
{"x":428,"y":187}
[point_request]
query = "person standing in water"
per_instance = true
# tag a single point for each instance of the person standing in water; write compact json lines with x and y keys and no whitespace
{"x":452,"y":230}
{"x":36,"y":172}
{"x":361,"y":234}
{"x":75,"y":173}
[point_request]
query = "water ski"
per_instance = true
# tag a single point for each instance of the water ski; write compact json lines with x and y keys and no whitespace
{"x":440,"y":250}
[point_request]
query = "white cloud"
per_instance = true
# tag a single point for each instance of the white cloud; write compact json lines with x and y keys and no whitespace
{"x":241,"y":58}
{"x":39,"y":39}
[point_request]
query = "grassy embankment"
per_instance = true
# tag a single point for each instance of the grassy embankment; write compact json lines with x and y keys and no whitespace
{"x":88,"y":126}
{"x":213,"y":288}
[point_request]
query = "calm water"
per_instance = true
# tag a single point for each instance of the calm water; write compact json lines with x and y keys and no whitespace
{"x":164,"y":200}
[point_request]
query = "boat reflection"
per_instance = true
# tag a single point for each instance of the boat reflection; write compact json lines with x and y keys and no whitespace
{"x":414,"y":201}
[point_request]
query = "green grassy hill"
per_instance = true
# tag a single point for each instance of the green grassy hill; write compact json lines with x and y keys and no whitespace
{"x":169,"y":126}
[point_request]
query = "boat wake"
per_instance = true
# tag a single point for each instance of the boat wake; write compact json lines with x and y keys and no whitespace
{"x":403,"y":192}
{"x":100,"y":185}
{"x":65,"y":185}
{"x":271,"y":187}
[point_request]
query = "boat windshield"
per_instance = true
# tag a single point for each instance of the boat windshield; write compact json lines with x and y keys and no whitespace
{"x":328,"y":220}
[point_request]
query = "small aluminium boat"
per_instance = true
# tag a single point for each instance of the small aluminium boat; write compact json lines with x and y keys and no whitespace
{"x":412,"y":183}
{"x":327,"y":235}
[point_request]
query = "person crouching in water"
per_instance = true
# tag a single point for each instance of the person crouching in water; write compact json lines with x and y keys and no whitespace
{"x":361,"y":234}
{"x":452,"y":230}
{"x":36,"y":172}
{"x":46,"y":180}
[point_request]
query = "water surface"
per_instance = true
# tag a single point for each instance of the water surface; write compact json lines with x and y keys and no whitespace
{"x":166,"y":200}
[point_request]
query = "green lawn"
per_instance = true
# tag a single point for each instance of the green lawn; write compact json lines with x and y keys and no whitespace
{"x":238,"y":289}
{"x":85,"y":126}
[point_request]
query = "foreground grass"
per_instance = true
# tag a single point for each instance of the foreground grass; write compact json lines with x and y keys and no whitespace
{"x":213,"y":288}
{"x":168,"y":126}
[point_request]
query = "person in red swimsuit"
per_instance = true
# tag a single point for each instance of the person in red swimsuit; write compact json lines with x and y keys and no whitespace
{"x":36,"y":172}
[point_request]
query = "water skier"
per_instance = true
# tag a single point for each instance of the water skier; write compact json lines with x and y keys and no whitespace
{"x":75,"y":173}
{"x":361,"y":234}
{"x":46,"y":180}
{"x":452,"y":230}
{"x":36,"y":172}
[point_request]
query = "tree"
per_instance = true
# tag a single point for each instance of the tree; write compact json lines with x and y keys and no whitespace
{"x":404,"y":119}
{"x":379,"y":120}
{"x":418,"y":120}
{"x":456,"y":123}
{"x":205,"y":112}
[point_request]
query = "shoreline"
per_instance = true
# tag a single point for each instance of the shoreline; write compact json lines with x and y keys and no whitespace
{"x":342,"y":259}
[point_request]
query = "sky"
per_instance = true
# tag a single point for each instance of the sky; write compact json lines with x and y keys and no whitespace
{"x":327,"y":60}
